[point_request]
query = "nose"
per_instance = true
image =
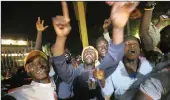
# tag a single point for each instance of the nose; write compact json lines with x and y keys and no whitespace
{"x":132,"y":45}
{"x":103,"y":47}
{"x":39,"y":65}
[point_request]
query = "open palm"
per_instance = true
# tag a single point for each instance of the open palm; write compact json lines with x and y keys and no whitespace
{"x":40,"y":25}
{"x":120,"y":12}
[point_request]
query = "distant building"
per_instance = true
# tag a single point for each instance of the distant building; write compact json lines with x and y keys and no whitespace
{"x":14,"y":51}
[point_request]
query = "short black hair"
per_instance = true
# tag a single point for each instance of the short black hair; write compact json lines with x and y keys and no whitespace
{"x":165,"y":30}
{"x":165,"y":39}
{"x":126,"y":38}
{"x":101,"y":39}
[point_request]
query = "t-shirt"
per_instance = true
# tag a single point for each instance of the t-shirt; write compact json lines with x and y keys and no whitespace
{"x":35,"y":91}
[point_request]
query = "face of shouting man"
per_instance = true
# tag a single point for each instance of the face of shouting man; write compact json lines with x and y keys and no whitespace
{"x":132,"y":49}
{"x":89,"y":56}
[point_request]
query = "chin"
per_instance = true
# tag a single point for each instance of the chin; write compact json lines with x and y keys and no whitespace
{"x":89,"y":62}
{"x":41,"y":77}
{"x":102,"y":55}
{"x":132,"y":58}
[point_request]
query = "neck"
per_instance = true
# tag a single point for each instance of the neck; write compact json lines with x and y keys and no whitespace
{"x":89,"y":66}
{"x":44,"y":81}
{"x":101,"y":58}
{"x":130,"y":65}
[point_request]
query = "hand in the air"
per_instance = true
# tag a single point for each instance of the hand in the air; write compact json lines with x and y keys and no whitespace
{"x":106,"y":24}
{"x":120,"y":12}
{"x":163,"y":19}
{"x":61,"y":24}
{"x":135,"y":14}
{"x":40,"y":25}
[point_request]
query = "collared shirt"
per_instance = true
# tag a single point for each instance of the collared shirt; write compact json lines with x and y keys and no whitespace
{"x":106,"y":36}
{"x":119,"y":81}
{"x":35,"y":91}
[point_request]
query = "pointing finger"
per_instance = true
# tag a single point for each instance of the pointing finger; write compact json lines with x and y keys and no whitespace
{"x":65,"y":11}
{"x":38,"y":18}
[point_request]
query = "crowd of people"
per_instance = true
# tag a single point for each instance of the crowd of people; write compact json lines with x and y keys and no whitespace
{"x":119,"y":67}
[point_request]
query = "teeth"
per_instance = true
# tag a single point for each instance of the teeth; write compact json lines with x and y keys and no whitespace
{"x":40,"y":71}
{"x":88,"y":56}
{"x":103,"y":50}
{"x":132,"y":52}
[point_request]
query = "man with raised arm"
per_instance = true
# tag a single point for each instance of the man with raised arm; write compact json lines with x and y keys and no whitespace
{"x":110,"y":61}
{"x":63,"y":90}
{"x":37,"y":65}
{"x":40,"y":28}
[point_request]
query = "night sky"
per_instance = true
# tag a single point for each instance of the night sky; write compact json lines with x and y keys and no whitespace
{"x":18,"y":20}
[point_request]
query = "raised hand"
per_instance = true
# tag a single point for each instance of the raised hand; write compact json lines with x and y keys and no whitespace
{"x":135,"y":14}
{"x":163,"y":19}
{"x":61,"y":24}
{"x":120,"y":12}
{"x":40,"y":25}
{"x":106,"y":24}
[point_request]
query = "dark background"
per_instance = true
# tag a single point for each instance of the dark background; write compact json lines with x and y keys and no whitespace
{"x":18,"y":20}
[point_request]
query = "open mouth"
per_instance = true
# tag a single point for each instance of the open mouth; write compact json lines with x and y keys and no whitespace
{"x":88,"y":56}
{"x":132,"y":52}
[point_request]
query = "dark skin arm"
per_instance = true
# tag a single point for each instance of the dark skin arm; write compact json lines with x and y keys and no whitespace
{"x":62,"y":28}
{"x":160,"y":22}
{"x":144,"y":28}
{"x":40,"y":28}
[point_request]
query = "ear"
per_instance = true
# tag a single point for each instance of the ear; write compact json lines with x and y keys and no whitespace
{"x":26,"y":69}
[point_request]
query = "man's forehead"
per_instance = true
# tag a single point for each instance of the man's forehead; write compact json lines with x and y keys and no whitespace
{"x":131,"y":41}
{"x":36,"y":58}
{"x":89,"y":49}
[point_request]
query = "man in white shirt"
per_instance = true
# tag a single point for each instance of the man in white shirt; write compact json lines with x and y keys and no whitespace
{"x":42,"y":87}
{"x":129,"y":69}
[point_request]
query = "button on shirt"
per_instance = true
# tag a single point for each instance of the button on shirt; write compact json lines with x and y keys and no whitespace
{"x":119,"y":81}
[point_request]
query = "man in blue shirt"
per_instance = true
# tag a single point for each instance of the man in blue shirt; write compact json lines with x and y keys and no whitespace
{"x":115,"y":53}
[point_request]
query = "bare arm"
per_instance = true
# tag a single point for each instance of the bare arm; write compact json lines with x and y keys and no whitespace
{"x":145,"y":22}
{"x":38,"y":41}
{"x":147,"y":40}
{"x":106,"y":24}
{"x":40,"y":28}
{"x":160,"y":22}
{"x":62,"y":28}
{"x":144,"y":28}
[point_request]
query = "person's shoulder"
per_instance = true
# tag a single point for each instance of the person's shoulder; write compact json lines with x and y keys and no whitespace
{"x":19,"y":89}
{"x":145,"y":66}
